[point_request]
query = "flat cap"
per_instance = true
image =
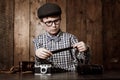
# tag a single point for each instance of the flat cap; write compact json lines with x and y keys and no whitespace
{"x":49,"y":9}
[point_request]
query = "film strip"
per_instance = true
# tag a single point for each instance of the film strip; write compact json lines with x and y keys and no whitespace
{"x":60,"y":50}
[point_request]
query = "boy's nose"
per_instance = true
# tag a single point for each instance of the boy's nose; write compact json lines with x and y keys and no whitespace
{"x":53,"y":24}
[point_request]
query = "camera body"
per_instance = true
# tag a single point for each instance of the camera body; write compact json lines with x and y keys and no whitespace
{"x":42,"y":69}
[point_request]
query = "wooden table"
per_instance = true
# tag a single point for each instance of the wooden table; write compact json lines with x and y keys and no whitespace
{"x":61,"y":76}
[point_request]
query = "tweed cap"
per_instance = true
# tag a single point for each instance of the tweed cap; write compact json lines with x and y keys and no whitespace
{"x":49,"y":9}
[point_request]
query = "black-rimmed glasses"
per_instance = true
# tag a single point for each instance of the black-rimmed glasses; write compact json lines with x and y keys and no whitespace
{"x":50,"y":23}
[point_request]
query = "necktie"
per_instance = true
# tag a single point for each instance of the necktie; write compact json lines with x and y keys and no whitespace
{"x":56,"y":39}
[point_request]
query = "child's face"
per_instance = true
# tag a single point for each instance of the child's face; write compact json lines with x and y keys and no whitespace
{"x":51,"y":24}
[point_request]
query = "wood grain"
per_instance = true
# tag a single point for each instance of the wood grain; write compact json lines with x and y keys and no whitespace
{"x":6,"y":34}
{"x":21,"y":31}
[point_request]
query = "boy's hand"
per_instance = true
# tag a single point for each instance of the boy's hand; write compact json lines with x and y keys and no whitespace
{"x":43,"y":53}
{"x":81,"y":46}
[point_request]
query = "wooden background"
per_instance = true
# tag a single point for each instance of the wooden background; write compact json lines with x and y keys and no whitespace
{"x":96,"y":22}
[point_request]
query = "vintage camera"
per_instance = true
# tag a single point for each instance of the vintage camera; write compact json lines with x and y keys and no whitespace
{"x":42,"y":69}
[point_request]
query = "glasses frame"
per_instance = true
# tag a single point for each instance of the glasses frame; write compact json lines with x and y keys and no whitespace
{"x":50,"y":23}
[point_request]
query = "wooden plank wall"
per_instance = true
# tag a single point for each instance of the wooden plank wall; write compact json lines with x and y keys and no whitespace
{"x":21,"y":31}
{"x":95,"y":22}
{"x":6,"y":34}
{"x":111,"y":31}
{"x":85,"y":21}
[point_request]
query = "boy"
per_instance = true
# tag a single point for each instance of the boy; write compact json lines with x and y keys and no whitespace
{"x":53,"y":39}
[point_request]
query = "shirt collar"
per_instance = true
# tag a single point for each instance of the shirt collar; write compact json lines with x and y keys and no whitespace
{"x":54,"y":38}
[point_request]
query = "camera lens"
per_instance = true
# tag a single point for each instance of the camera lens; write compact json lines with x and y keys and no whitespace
{"x":43,"y":69}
